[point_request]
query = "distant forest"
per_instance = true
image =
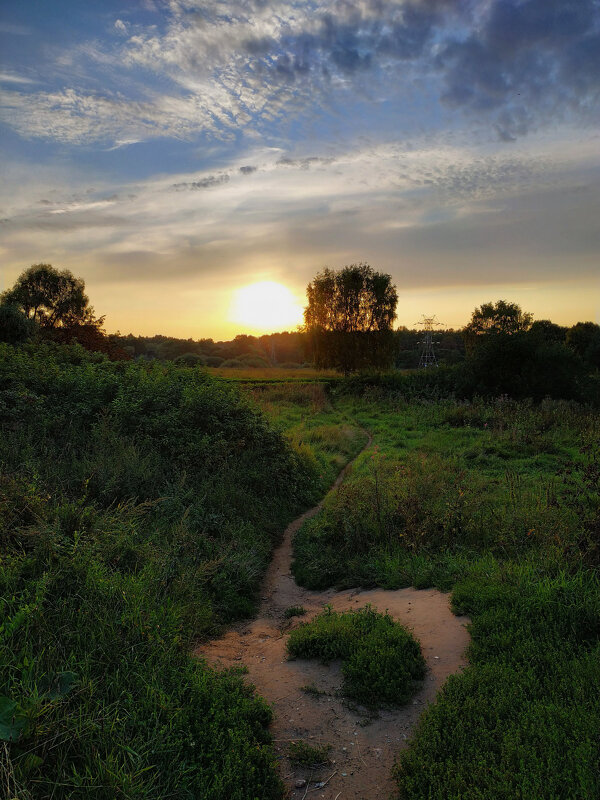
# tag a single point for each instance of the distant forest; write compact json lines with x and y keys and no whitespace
{"x":287,"y":349}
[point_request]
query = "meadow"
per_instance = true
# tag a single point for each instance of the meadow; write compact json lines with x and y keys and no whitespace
{"x":499,"y":503}
{"x":140,"y":503}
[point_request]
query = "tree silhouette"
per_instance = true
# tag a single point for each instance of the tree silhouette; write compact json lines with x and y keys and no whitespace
{"x":349,"y":318}
{"x":496,"y":318}
{"x":51,"y":298}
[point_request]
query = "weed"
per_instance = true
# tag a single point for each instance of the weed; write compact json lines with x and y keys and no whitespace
{"x":312,"y":690}
{"x":294,"y":611}
{"x":311,"y":756}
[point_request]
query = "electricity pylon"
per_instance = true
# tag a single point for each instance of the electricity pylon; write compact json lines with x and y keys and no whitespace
{"x":428,"y":358}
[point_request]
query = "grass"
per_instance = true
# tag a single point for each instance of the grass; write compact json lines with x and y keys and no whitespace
{"x":310,"y":756}
{"x":499,"y":503}
{"x":323,"y":434}
{"x":382,"y":661}
{"x":294,"y":611}
{"x":273,"y":374}
{"x":139,"y":504}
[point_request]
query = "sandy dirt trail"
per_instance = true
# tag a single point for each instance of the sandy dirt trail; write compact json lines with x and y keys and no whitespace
{"x":363,"y":748}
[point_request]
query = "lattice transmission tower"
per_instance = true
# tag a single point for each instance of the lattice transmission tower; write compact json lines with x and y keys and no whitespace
{"x":428,"y":358}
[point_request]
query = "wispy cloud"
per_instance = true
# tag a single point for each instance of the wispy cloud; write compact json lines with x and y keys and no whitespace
{"x":11,"y":77}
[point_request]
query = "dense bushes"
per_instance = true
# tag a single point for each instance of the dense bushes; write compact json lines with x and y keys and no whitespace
{"x":138,"y":508}
{"x":521,"y":365}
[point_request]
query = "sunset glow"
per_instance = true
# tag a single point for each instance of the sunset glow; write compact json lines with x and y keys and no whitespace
{"x":266,"y":307}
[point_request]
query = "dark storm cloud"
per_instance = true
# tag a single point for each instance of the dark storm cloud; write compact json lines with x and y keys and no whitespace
{"x":528,"y":60}
{"x":248,"y":170}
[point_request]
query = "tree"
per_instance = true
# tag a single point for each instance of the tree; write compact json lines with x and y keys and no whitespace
{"x":496,"y":318}
{"x":51,"y":298}
{"x":57,"y":304}
{"x":584,"y":339}
{"x":349,"y":318}
{"x":545,"y":331}
{"x":14,"y":325}
{"x":520,"y":365}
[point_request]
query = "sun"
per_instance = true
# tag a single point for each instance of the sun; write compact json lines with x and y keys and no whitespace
{"x":266,"y":307}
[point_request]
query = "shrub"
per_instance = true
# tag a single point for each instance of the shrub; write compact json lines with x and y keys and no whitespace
{"x":381,"y":660}
{"x":139,"y":504}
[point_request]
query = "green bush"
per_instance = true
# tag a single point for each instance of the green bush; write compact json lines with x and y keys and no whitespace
{"x":139,"y":504}
{"x":381,"y":660}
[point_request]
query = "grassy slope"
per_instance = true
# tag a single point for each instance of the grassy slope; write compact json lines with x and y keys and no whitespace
{"x":500,"y":503}
{"x":138,"y":508}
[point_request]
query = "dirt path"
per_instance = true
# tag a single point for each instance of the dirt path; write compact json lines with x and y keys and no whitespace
{"x":363,"y":749}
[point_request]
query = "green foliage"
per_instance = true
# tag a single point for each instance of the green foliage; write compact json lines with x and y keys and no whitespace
{"x":496,"y":318}
{"x":50,"y":297}
{"x":521,"y":365}
{"x":349,"y":318}
{"x":15,"y":326}
{"x":138,"y":508}
{"x":382,"y":660}
{"x":294,"y":611}
{"x":584,"y":339}
{"x":498,"y":501}
{"x":308,"y":755}
{"x":522,"y":720}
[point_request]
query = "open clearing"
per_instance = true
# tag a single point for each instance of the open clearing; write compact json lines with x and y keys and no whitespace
{"x":363,"y":747}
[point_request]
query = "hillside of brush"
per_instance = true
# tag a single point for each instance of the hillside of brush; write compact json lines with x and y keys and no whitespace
{"x":139,"y":504}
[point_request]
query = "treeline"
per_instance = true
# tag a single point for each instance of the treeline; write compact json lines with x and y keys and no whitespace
{"x":286,"y":349}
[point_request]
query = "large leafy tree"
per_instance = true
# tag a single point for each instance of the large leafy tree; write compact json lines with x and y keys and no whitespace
{"x":584,"y":339}
{"x":496,"y":318}
{"x":51,"y":298}
{"x":349,"y":318}
{"x":54,"y":303}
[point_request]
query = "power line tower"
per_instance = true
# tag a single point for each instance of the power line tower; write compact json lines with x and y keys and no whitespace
{"x":428,"y":358}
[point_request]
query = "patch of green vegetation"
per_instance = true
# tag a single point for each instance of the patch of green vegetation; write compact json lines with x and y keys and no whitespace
{"x":381,"y":660}
{"x":498,"y":502}
{"x":321,"y":433}
{"x":294,"y":611}
{"x":139,"y":504}
{"x":311,"y":756}
{"x":313,"y":690}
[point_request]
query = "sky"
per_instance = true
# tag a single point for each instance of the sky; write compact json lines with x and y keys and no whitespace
{"x":173,"y":152}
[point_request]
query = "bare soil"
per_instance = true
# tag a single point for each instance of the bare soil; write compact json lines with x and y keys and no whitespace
{"x":363,"y":747}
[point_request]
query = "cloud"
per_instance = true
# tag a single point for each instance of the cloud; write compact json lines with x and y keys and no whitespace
{"x":10,"y":77}
{"x":203,"y":183}
{"x":222,"y":67}
{"x":425,"y":215}
{"x":527,"y":61}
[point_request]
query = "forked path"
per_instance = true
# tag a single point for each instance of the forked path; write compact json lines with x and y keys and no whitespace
{"x":363,"y":750}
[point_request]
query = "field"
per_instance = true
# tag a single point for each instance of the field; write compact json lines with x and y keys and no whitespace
{"x":498,"y":502}
{"x":273,"y":374}
{"x":139,"y":506}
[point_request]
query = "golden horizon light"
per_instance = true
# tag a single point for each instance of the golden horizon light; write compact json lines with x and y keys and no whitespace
{"x":265,"y":307}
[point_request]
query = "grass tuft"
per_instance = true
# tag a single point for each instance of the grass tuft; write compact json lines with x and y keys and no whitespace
{"x":382,"y":661}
